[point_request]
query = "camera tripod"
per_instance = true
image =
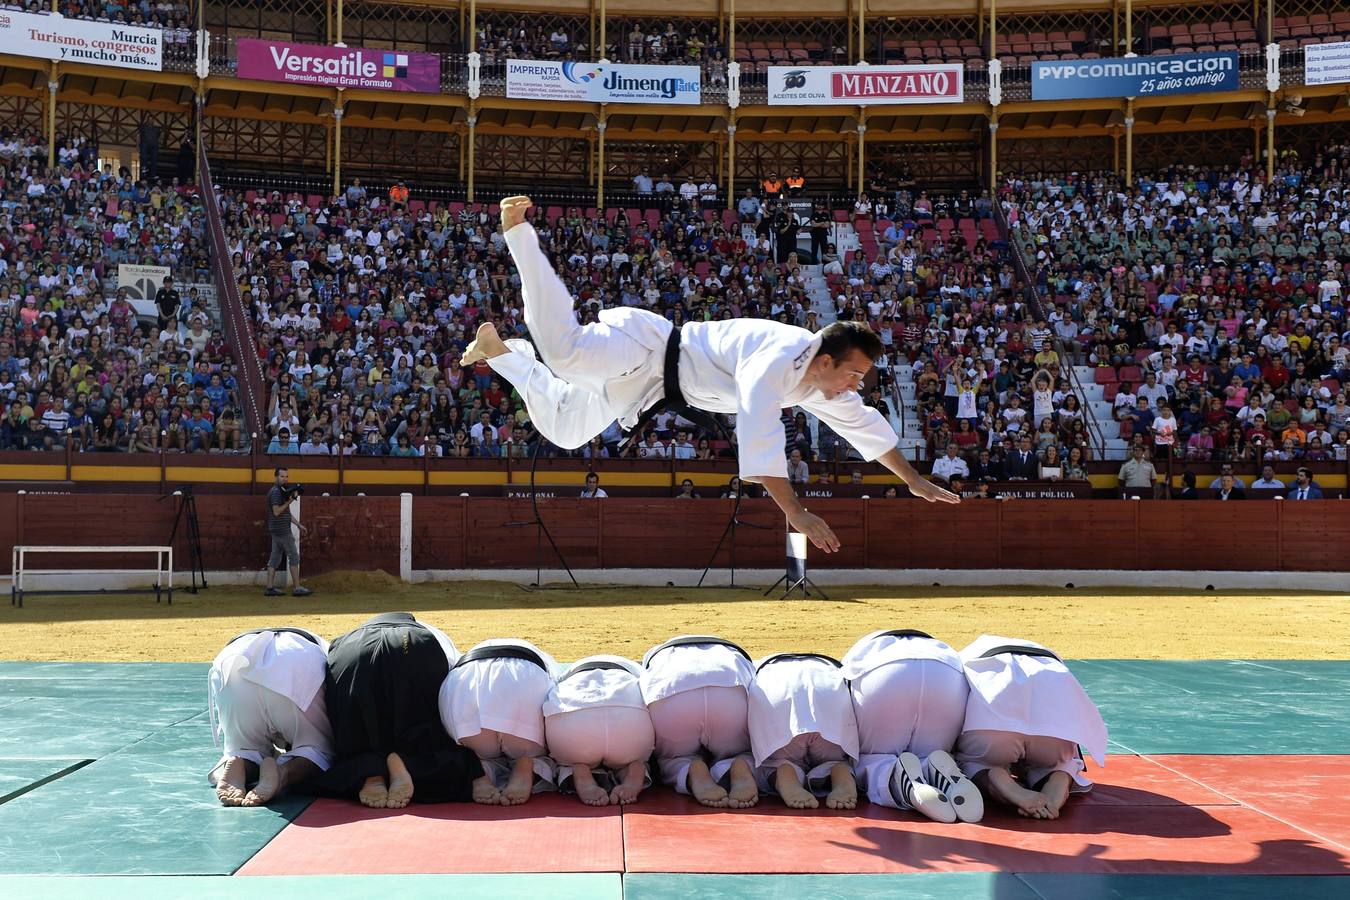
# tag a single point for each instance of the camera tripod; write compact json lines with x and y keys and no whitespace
{"x":186,"y":512}
{"x":540,"y":530}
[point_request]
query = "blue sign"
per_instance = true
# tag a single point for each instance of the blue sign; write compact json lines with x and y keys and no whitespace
{"x":1134,"y":76}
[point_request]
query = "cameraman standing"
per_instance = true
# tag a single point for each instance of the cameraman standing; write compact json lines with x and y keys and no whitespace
{"x":279,"y":524}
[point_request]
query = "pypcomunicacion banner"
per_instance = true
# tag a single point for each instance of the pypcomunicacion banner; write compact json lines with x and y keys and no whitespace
{"x":1135,"y":76}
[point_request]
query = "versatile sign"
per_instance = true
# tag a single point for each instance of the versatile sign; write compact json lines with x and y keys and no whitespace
{"x":344,"y":67}
{"x":1134,"y":76}
{"x":77,"y":40}
{"x":1326,"y":63}
{"x":865,"y":85}
{"x":541,"y":79}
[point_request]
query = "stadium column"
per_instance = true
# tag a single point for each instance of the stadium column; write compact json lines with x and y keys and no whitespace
{"x":1270,"y":142}
{"x":1129,"y":141}
{"x":604,"y":43}
{"x":731,"y":159}
{"x":600,"y":126}
{"x":472,"y":121}
{"x":53,"y":81}
{"x":862,"y":145}
{"x":862,"y":43}
{"x":1129,"y":27}
{"x":337,"y":144}
{"x":993,"y":153}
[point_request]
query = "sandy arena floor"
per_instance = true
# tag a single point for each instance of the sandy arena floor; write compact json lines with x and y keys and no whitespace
{"x":1136,"y":624}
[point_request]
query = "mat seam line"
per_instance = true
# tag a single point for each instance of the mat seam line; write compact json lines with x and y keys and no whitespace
{"x":1254,"y":808}
{"x":1020,"y":876}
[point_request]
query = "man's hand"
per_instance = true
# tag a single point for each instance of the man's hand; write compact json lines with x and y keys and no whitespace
{"x":513,"y":211}
{"x":815,"y":529}
{"x":927,"y":490}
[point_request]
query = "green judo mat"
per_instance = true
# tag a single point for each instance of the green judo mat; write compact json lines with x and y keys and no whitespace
{"x":330,"y":887}
{"x":143,"y":806}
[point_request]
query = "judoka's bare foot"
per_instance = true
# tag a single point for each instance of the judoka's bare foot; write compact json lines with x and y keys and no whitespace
{"x":230,"y":787}
{"x":521,"y":783}
{"x":843,"y":788}
{"x":513,"y":211}
{"x":627,"y":790}
{"x":704,"y":789}
{"x":484,"y":791}
{"x":590,"y":793}
{"x":1005,"y":788}
{"x":744,"y":791}
{"x":400,"y":783}
{"x":269,"y":784}
{"x":791,"y":790}
{"x":1055,"y":790}
{"x":374,"y":793}
{"x":486,"y":344}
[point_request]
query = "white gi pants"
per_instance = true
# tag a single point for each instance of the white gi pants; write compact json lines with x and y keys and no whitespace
{"x":494,"y":707}
{"x":911,"y":705}
{"x":609,"y":738}
{"x":1032,"y":758}
{"x":811,"y":757}
{"x":256,"y":722}
{"x":568,"y":416}
{"x":711,"y":720}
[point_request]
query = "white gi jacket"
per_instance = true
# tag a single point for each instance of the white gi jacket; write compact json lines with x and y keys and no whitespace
{"x":1030,"y":695}
{"x":675,"y":670}
{"x":800,"y":696}
{"x":597,"y":687}
{"x":876,"y":650}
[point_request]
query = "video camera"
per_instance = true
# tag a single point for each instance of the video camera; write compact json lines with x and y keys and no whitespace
{"x":293,"y":490}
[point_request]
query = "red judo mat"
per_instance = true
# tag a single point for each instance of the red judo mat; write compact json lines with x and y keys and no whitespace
{"x":1232,"y":815}
{"x":550,"y":833}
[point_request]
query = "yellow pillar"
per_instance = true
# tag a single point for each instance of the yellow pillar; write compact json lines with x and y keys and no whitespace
{"x":1270,"y":20}
{"x":1129,"y":26}
{"x":1270,"y":143}
{"x":1115,"y":27}
{"x":473,"y":124}
{"x":600,"y":126}
{"x":604,"y":38}
{"x":731,"y":33}
{"x":993,"y":153}
{"x":201,"y":114}
{"x":53,"y":82}
{"x":993,"y":29}
{"x":337,"y":145}
{"x":731,"y":161}
{"x":339,"y":22}
{"x":862,"y":31}
{"x":1129,"y":142}
{"x":862,"y":148}
{"x":473,"y":25}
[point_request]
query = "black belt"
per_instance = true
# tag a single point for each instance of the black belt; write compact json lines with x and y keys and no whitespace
{"x":282,"y":630}
{"x":593,"y":666}
{"x":674,"y":397}
{"x":906,"y":633}
{"x":1019,"y":650}
{"x":789,"y":657}
{"x":502,"y":651}
{"x":690,"y":639}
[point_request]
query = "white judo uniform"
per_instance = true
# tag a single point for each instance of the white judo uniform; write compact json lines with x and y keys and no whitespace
{"x":494,"y":706}
{"x":697,"y":695}
{"x":1026,"y":713}
{"x":909,"y":694}
{"x":614,"y":369}
{"x":266,"y":699}
{"x":801,"y":714}
{"x":595,"y":716}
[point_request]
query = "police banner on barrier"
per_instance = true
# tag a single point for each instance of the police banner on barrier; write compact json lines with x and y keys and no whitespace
{"x":1326,"y":63}
{"x":77,"y":40}
{"x":865,"y":85}
{"x":538,"y":79}
{"x":1134,"y":76}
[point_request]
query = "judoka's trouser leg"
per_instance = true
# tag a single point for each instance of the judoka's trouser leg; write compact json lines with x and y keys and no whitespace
{"x":1031,"y":757}
{"x":499,"y":750}
{"x":253,"y":720}
{"x":614,"y":737}
{"x":566,"y":415}
{"x":714,"y":719}
{"x":811,"y":757}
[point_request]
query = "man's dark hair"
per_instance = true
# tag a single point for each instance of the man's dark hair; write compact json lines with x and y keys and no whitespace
{"x":838,"y":338}
{"x":279,"y":469}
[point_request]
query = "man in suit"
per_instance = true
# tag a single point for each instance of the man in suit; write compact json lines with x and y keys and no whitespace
{"x":1304,"y":488}
{"x":1021,"y":464}
{"x":985,"y":468}
{"x":1228,"y":490}
{"x":1188,"y":491}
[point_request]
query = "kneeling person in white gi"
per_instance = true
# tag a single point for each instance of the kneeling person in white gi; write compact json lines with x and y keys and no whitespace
{"x":1026,"y":718}
{"x":802,"y":730}
{"x":622,"y":365}
{"x":696,"y":692}
{"x":595,"y":719}
{"x":267,"y":707}
{"x":492,"y":703}
{"x":909,"y":694}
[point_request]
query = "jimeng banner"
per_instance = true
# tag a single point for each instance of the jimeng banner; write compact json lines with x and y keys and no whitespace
{"x":344,"y":67}
{"x":865,"y":85}
{"x":541,"y":79}
{"x":78,"y":41}
{"x":1134,"y":76}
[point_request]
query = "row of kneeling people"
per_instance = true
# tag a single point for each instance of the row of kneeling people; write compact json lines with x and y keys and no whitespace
{"x":392,"y":710}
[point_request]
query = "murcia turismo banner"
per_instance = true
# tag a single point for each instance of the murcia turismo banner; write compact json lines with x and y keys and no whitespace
{"x":865,"y":85}
{"x":344,"y":67}
{"x":1326,"y":63}
{"x":1134,"y":76}
{"x":75,"y":40}
{"x":541,"y":79}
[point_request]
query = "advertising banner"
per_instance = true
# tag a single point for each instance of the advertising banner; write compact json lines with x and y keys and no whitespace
{"x":1135,"y":76}
{"x":1326,"y":63}
{"x":344,"y":67}
{"x":541,"y":79}
{"x":865,"y":85}
{"x":76,"y":40}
